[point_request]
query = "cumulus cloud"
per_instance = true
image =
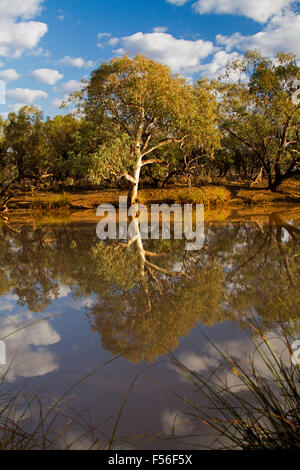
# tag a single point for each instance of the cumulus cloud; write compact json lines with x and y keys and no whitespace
{"x":18,"y":33}
{"x":68,"y":87}
{"x":26,"y":9}
{"x":282,"y":33}
{"x":217,"y":66}
{"x":258,"y":10}
{"x":25,"y":95}
{"x":15,"y":108}
{"x":181,"y":55}
{"x":56,"y":103}
{"x":78,"y":62}
{"x":47,"y":76}
{"x":9,"y":75}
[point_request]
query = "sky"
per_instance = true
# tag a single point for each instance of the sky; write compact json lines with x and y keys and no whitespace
{"x":48,"y":46}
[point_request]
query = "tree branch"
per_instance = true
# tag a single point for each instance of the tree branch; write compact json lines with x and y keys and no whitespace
{"x":163,"y":143}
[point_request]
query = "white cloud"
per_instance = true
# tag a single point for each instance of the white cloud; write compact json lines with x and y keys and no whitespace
{"x":103,"y":35}
{"x":68,"y":87}
{"x":181,"y":55}
{"x":18,"y":36}
{"x":25,"y":95}
{"x":26,"y":9}
{"x":218,"y":64}
{"x":9,"y":75}
{"x":15,"y":38}
{"x":178,"y":2}
{"x":160,"y":29}
{"x":57,"y":102}
{"x":112,"y":42}
{"x":282,"y":33}
{"x":15,"y":108}
{"x":78,"y":62}
{"x":258,"y":10}
{"x":47,"y":76}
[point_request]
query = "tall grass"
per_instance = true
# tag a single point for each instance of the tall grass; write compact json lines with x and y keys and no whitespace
{"x":53,"y":201}
{"x":262,"y":410}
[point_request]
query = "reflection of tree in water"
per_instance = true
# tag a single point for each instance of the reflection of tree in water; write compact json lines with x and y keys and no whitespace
{"x":150,"y":294}
{"x":265,"y":276}
{"x":149,"y":304}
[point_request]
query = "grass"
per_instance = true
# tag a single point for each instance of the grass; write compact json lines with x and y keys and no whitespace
{"x":53,"y":201}
{"x":211,"y":196}
{"x":262,"y":410}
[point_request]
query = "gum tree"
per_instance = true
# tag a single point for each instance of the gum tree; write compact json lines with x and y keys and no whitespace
{"x":142,"y":107}
{"x":258,"y":113}
{"x":22,"y":151}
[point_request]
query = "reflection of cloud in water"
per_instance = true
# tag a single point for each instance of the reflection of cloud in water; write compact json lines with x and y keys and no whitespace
{"x":241,"y":350}
{"x":197,"y":363}
{"x":80,"y":303}
{"x":63,"y":291}
{"x":26,"y":348}
{"x":7,"y":303}
{"x":175,"y":423}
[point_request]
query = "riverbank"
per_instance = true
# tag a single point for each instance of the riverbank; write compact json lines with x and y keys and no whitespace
{"x":229,"y":196}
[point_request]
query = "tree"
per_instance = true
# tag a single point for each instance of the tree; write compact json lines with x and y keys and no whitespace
{"x":143,"y":108}
{"x":22,"y":151}
{"x":261,"y":115}
{"x":62,"y":136}
{"x":25,"y":142}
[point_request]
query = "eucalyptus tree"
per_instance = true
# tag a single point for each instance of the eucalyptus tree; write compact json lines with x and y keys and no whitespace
{"x":62,"y":134}
{"x":22,"y":150}
{"x":144,"y":108}
{"x":258,"y":112}
{"x":25,"y":141}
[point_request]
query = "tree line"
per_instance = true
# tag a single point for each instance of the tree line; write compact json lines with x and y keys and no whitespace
{"x":134,"y":121}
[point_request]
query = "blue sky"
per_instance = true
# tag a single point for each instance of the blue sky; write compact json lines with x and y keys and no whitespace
{"x":46,"y":47}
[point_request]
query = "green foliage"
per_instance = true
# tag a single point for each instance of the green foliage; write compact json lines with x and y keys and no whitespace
{"x":135,"y":119}
{"x":259,"y":116}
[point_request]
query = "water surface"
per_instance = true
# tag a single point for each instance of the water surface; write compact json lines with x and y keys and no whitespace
{"x":85,"y":302}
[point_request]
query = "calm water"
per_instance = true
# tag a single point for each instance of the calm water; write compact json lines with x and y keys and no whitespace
{"x":85,"y":303}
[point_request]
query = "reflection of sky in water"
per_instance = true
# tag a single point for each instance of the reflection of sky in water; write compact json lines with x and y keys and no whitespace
{"x":63,"y":349}
{"x":58,"y":348}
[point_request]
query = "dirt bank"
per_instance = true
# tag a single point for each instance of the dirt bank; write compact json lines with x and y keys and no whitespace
{"x":211,"y":196}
